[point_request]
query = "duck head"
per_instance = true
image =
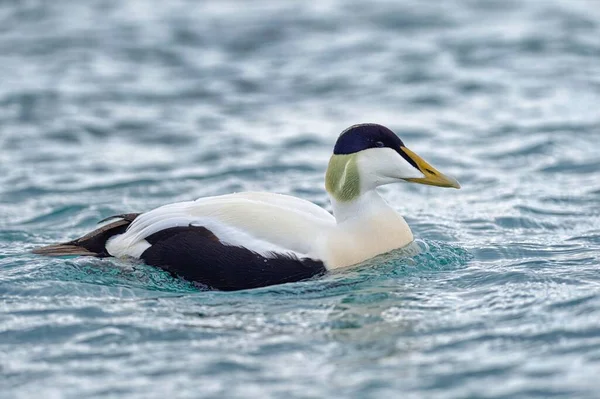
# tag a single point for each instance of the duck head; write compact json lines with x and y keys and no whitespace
{"x":369,"y":155}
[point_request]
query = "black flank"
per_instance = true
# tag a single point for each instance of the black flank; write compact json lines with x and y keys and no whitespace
{"x":196,"y":254}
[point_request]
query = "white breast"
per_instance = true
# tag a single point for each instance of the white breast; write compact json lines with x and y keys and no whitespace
{"x":357,"y":240}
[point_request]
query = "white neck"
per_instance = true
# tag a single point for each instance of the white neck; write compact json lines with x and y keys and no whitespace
{"x":366,"y":205}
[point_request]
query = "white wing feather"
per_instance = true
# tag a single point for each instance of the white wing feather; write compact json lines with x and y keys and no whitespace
{"x":262,"y":222}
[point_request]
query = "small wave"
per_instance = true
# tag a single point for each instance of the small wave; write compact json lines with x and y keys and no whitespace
{"x":416,"y":258}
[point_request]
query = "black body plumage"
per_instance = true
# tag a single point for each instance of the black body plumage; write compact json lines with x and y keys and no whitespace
{"x":196,"y":254}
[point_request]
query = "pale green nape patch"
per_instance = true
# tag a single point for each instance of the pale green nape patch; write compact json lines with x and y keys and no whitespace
{"x":342,"y":179}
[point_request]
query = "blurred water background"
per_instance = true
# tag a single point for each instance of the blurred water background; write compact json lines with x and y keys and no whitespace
{"x":113,"y":106}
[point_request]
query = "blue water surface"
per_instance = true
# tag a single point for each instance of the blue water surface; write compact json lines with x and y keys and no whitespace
{"x":111,"y":106}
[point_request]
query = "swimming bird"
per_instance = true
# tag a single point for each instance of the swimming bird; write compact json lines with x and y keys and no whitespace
{"x":254,"y":239}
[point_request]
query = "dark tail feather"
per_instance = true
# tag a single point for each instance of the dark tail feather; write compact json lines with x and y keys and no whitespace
{"x":65,"y":249}
{"x":92,"y":244}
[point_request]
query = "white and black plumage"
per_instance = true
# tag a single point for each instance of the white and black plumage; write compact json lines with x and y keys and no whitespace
{"x":254,"y":239}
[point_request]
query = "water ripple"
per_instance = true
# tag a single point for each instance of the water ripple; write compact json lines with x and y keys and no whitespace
{"x":110,"y":107}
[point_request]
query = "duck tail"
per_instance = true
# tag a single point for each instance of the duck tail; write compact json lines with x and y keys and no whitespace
{"x":91,"y":244}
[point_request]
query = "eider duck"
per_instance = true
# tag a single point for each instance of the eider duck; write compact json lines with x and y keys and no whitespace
{"x":255,"y":239}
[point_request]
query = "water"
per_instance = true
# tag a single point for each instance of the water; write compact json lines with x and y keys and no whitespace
{"x":110,"y":106}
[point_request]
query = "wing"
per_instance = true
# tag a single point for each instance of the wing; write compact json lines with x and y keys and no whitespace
{"x":263,"y":223}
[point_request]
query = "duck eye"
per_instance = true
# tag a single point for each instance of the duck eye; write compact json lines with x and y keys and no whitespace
{"x":379,"y":144}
